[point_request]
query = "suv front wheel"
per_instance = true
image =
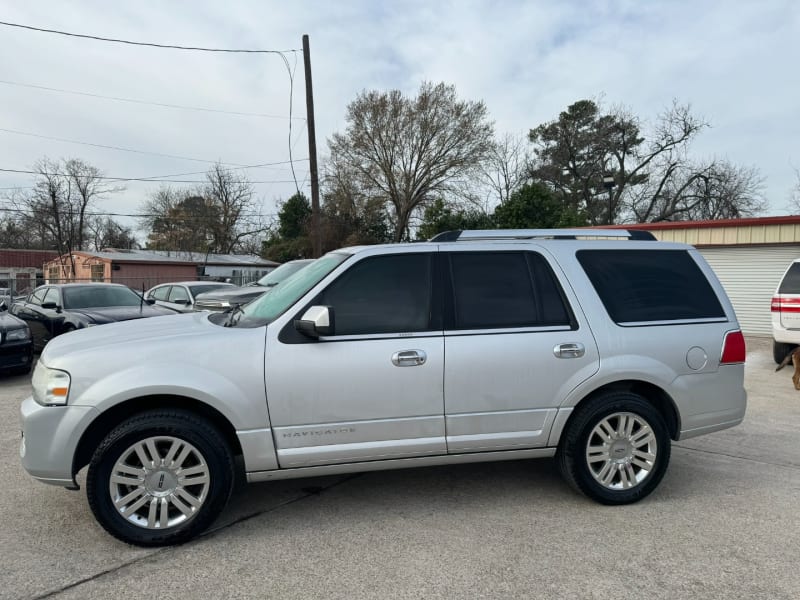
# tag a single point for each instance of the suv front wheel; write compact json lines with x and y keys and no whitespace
{"x":615,"y":449}
{"x":159,"y":478}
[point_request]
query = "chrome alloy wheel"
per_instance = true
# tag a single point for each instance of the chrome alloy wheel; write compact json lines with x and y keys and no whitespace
{"x":621,"y":451}
{"x":159,"y":482}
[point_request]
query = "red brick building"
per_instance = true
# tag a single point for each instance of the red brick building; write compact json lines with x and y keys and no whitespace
{"x":22,"y":270}
{"x":145,"y":268}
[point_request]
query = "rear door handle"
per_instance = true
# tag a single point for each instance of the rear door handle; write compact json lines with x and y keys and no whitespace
{"x":409,"y":358}
{"x":571,"y":350}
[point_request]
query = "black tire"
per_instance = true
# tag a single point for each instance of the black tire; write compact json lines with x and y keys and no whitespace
{"x":583,"y":476}
{"x":780,"y":350}
{"x":207,"y":451}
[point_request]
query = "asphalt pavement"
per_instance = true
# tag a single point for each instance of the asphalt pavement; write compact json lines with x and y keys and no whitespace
{"x":723,"y":524}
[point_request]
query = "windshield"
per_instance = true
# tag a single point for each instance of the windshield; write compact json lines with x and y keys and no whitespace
{"x":97,"y":297}
{"x":270,"y":306}
{"x":275,"y":276}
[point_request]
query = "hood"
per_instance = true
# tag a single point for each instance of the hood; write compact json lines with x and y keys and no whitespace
{"x":239,"y":294}
{"x":160,"y":339}
{"x":110,"y":314}
{"x":9,"y":321}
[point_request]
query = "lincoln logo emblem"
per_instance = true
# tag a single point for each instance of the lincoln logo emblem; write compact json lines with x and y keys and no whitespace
{"x":161,"y":481}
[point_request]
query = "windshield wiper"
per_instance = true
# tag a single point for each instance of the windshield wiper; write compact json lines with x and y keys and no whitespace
{"x":233,"y":312}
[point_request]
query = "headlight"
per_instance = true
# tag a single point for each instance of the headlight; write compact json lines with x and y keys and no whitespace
{"x":18,"y":334}
{"x":50,"y":386}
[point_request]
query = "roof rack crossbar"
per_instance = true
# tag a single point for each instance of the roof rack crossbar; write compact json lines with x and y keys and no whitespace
{"x":553,"y":234}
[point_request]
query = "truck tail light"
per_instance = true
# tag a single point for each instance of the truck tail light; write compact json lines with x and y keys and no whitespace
{"x":733,"y":348}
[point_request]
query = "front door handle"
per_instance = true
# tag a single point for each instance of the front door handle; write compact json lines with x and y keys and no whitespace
{"x":409,"y":358}
{"x":571,"y":350}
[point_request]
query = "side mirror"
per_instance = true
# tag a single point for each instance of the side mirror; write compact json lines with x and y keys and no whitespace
{"x":3,"y":306}
{"x":151,"y":301}
{"x":49,"y":305}
{"x":317,"y":321}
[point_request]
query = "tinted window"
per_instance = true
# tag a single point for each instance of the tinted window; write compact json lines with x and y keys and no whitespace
{"x":383,"y":294}
{"x":160,"y":293}
{"x":791,"y":281}
{"x":505,"y":289}
{"x":656,"y":285}
{"x":36,"y":297}
{"x":178,"y":293}
{"x":51,"y":296}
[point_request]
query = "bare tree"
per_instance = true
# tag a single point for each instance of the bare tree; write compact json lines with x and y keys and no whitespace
{"x":64,"y":192}
{"x":506,"y":169}
{"x":606,"y":166}
{"x":219,"y":216}
{"x":408,"y":151}
{"x":232,"y":196}
{"x":690,"y":191}
{"x":105,"y":232}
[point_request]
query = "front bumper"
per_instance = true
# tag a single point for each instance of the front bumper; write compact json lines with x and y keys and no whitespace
{"x":15,"y":355}
{"x":50,"y":436}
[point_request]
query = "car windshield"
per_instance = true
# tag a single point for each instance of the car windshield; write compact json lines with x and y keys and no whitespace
{"x":275,"y":276}
{"x":270,"y":306}
{"x":202,"y":289}
{"x":99,"y":297}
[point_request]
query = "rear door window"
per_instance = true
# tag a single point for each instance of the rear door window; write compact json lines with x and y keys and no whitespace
{"x":654,"y":285}
{"x":504,"y":290}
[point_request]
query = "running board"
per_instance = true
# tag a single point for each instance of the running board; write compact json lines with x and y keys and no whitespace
{"x":398,"y":463}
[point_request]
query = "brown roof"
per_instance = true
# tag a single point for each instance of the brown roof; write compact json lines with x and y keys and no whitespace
{"x":747,"y":222}
{"x":26,"y":258}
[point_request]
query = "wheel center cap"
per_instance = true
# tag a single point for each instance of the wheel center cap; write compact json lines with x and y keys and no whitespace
{"x":620,"y":450}
{"x":161,"y":483}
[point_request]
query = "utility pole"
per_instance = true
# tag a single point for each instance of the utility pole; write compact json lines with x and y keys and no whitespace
{"x":316,"y":239}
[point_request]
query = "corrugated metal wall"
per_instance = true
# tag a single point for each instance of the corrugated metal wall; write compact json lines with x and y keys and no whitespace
{"x":750,"y":276}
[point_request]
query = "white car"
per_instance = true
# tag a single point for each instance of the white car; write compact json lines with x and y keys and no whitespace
{"x":180,"y":296}
{"x":785,"y":309}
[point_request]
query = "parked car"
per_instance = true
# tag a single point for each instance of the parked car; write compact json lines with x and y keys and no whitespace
{"x":60,"y":308}
{"x":16,"y":347}
{"x":785,"y":309}
{"x":222,"y":300}
{"x":475,"y":346}
{"x":181,"y":296}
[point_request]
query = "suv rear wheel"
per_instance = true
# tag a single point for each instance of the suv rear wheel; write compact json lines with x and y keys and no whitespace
{"x":159,"y":478}
{"x":616,"y":448}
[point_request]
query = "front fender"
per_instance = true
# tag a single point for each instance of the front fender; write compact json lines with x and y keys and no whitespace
{"x":241,"y":400}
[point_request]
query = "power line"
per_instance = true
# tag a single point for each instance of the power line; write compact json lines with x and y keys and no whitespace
{"x":134,"y":101}
{"x":30,"y":211}
{"x":149,"y":44}
{"x":119,"y":148}
{"x":155,"y":178}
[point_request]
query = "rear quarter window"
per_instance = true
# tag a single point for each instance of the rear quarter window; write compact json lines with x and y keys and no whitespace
{"x":654,"y":285}
{"x":790,"y":284}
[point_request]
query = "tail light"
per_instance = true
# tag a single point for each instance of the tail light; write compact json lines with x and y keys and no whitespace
{"x":733,"y":348}
{"x":784,"y":304}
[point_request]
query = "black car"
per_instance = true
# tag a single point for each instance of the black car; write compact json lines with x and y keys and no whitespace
{"x":223,"y":299}
{"x":59,"y":308}
{"x":16,"y":347}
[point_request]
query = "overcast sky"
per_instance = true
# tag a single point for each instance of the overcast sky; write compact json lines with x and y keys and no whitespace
{"x":736,"y":63}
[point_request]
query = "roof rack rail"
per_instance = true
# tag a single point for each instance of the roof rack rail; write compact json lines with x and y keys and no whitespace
{"x":551,"y":234}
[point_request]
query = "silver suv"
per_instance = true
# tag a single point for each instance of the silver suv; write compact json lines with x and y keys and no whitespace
{"x":475,"y":346}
